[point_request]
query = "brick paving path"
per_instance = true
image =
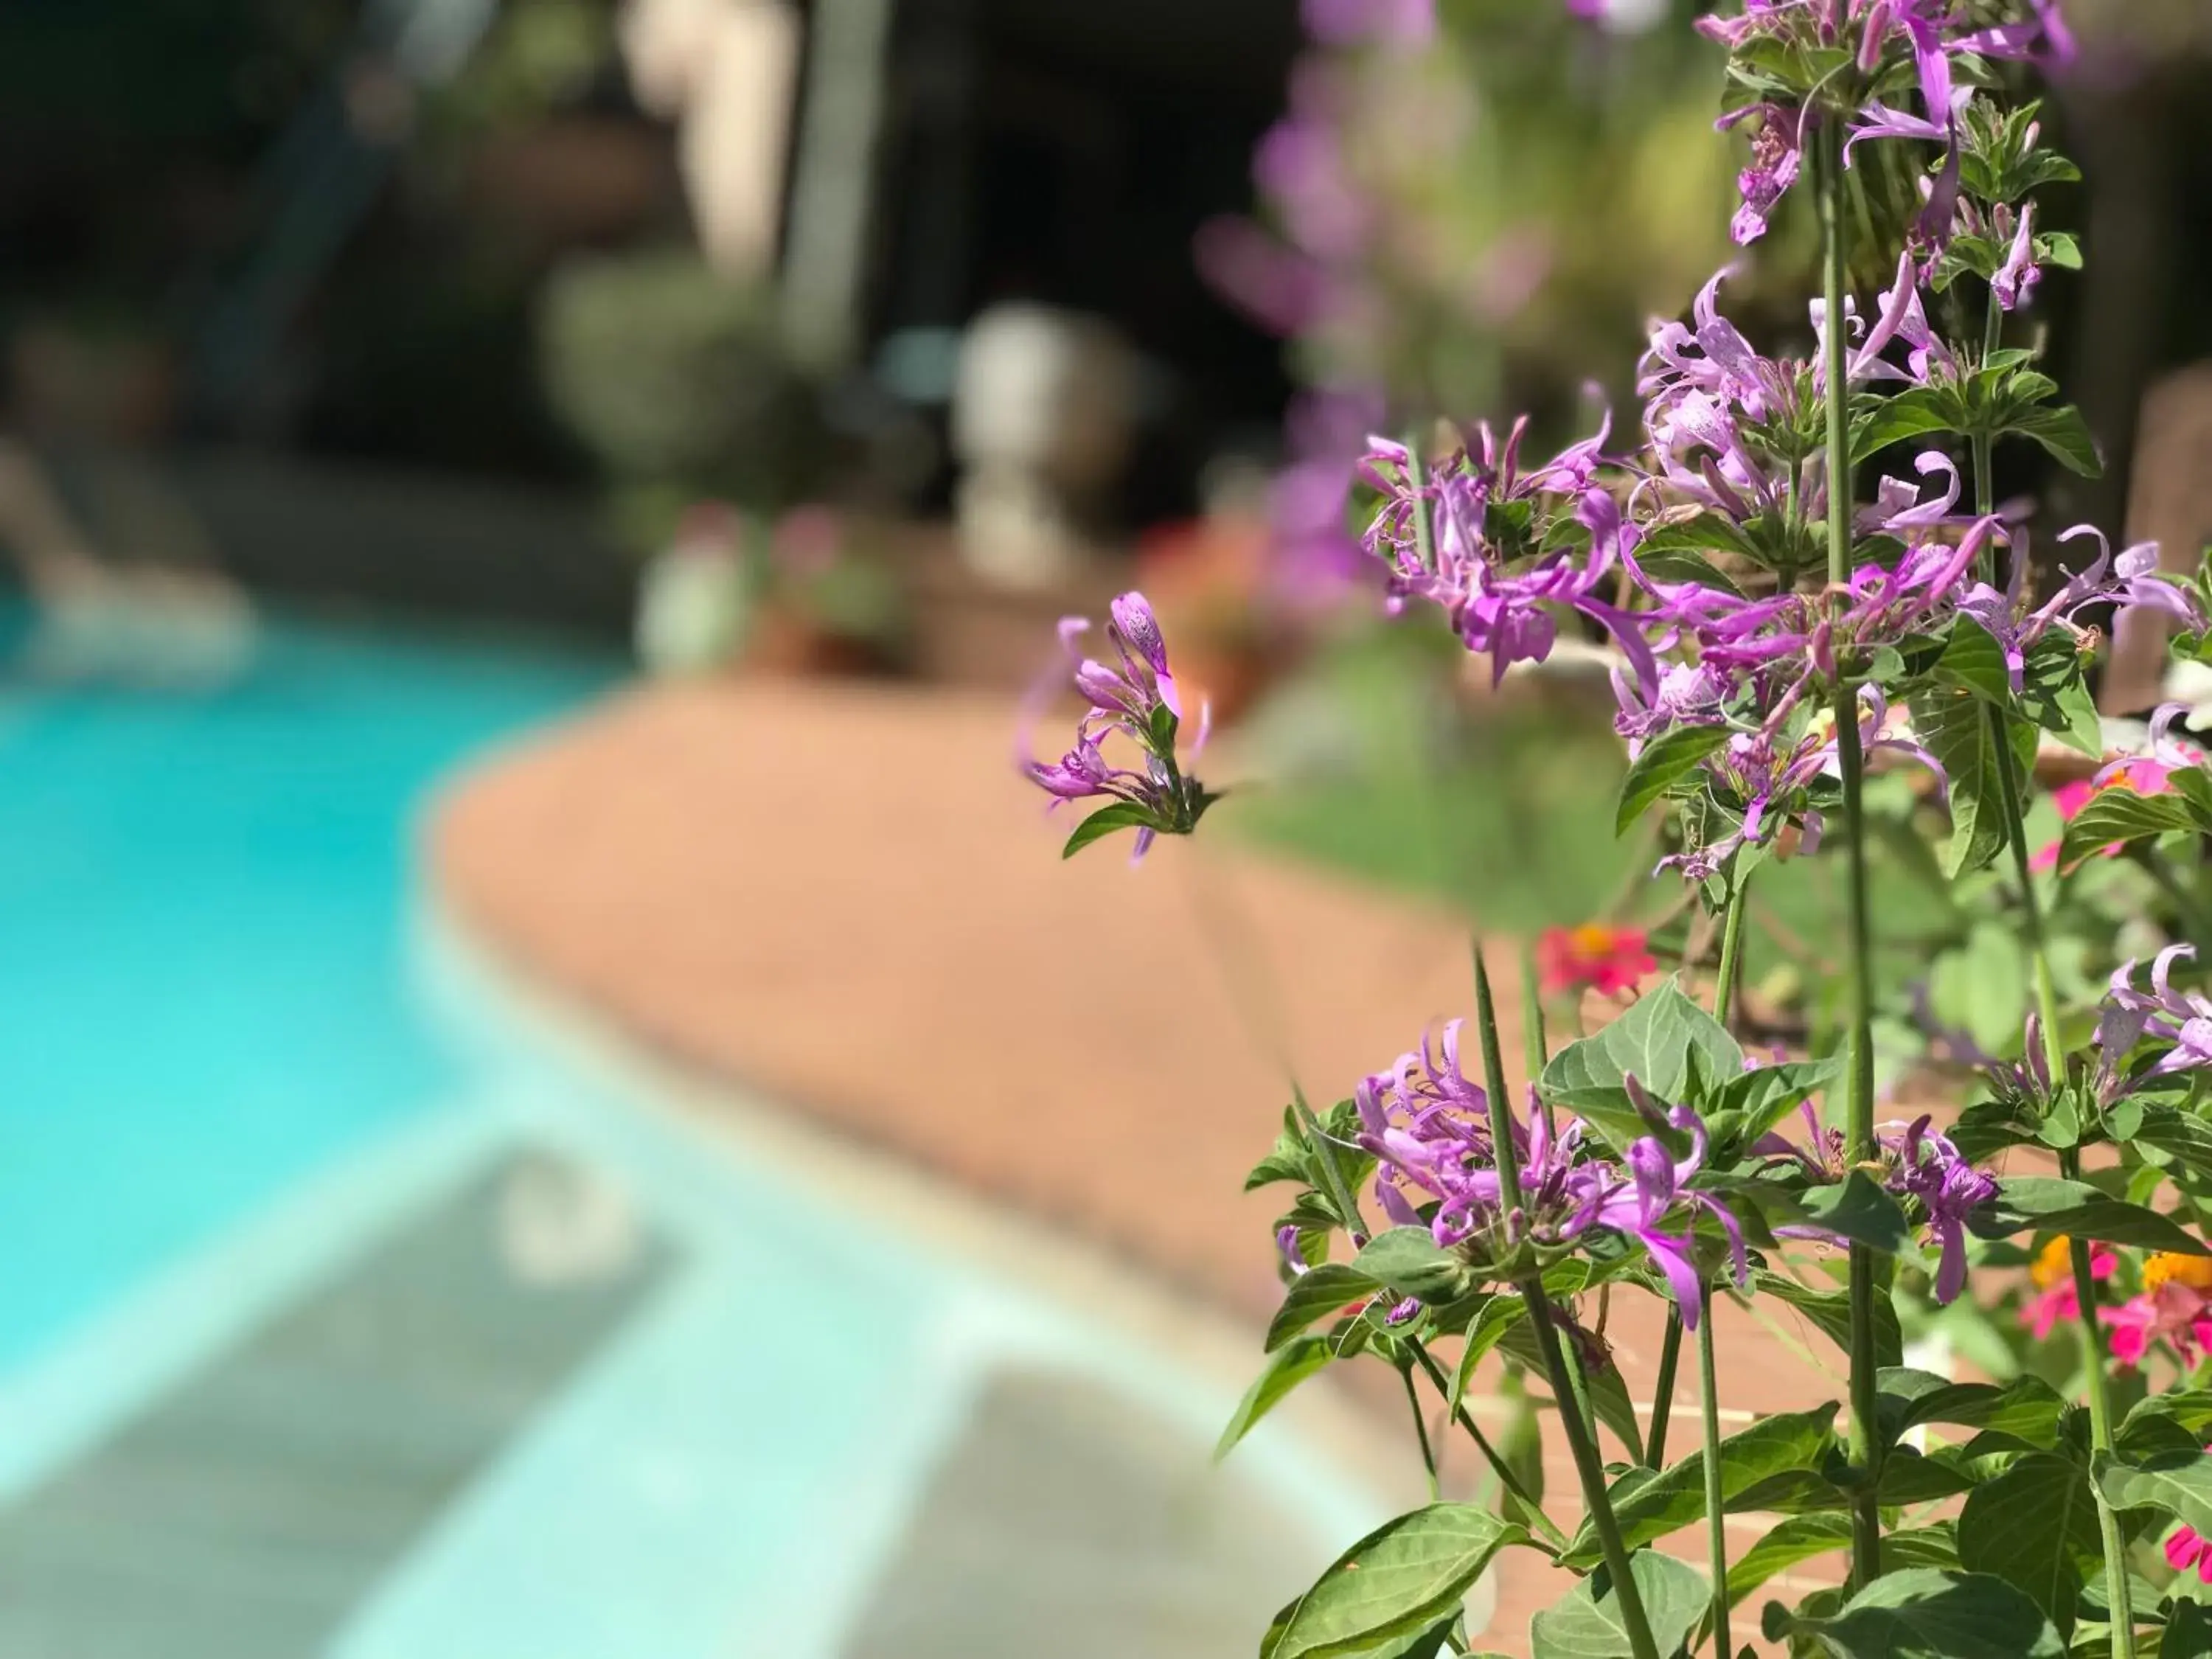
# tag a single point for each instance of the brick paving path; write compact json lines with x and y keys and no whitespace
{"x":843,"y":897}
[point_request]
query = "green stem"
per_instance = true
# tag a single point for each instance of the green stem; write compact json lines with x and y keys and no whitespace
{"x":2069,"y":1161}
{"x":1663,"y":1391}
{"x":1503,"y":1151}
{"x":1416,"y":481}
{"x":2069,"y":1165}
{"x":2100,"y":1432}
{"x":1715,"y":1529}
{"x":1590,"y":1469}
{"x":1535,"y":1040}
{"x":1421,"y":1432}
{"x":1535,"y":1043}
{"x":1670,"y":1348}
{"x":1984,"y":488}
{"x":1865,"y":1442}
{"x":1498,"y":1466}
{"x":1731,"y":968}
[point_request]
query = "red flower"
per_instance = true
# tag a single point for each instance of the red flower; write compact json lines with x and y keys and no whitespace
{"x":1607,"y":960}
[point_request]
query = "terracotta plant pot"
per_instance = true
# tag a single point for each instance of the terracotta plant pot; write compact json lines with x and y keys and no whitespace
{"x":789,"y":646}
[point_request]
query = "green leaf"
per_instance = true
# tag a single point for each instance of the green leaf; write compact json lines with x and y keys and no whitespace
{"x":1910,"y":1477}
{"x":1924,"y":1613}
{"x":1670,"y":563}
{"x":2064,"y":434}
{"x":2046,"y":1204}
{"x":2074,"y":720}
{"x":2116,"y":817}
{"x":2035,"y":1526}
{"x":1288,"y":1366}
{"x":2026,"y":1409}
{"x":1674,"y":1047}
{"x":1908,"y":415}
{"x":2188,"y":1632}
{"x":2177,"y":1483}
{"x":1762,"y":1098}
{"x":1973,"y":661}
{"x":1326,"y":1289}
{"x":1957,"y":729}
{"x":1799,"y":1539}
{"x":1665,"y":761}
{"x":1832,"y":1311}
{"x":1859,"y":1210}
{"x":1398,"y":1580}
{"x":1412,"y":1263}
{"x":1649,"y":1506}
{"x":1287,"y":1160}
{"x":2156,"y":1424}
{"x":1122,"y":815}
{"x":1498,"y":1316}
{"x":1586,"y":1623}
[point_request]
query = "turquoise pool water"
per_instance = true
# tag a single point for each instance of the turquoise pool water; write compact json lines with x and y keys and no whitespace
{"x":347,"y":1311}
{"x":202,"y":939}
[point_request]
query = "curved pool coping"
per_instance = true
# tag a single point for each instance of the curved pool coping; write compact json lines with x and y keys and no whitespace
{"x":1319,"y":1451}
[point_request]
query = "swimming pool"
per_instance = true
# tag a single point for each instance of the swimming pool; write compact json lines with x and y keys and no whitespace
{"x":354,"y":1307}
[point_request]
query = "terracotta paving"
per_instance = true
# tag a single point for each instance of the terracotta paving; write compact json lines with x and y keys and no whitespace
{"x":844,"y":898}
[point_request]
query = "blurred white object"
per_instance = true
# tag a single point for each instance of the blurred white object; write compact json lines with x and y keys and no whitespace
{"x":725,"y":71}
{"x":1041,"y":422}
{"x":695,"y":598}
{"x":2191,"y":682}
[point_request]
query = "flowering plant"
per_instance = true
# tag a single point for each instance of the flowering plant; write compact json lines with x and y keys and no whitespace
{"x":1780,"y":632}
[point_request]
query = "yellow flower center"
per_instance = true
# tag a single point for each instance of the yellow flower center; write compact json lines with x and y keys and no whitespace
{"x":2055,"y":1263}
{"x":2194,"y":1271}
{"x":1592,"y":940}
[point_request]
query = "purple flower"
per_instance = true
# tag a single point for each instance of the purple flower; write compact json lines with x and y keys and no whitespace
{"x":1487,"y":567}
{"x":2182,"y":1018}
{"x":2043,"y":39}
{"x":1657,"y":1190}
{"x":1763,"y":774}
{"x":1431,"y":1131}
{"x":2019,"y":274}
{"x":1128,"y":698}
{"x":1777,"y":156}
{"x":1924,"y":1165}
{"x":1355,"y":22}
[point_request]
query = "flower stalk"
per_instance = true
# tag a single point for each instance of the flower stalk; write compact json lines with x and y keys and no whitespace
{"x":1859,"y":1135}
{"x":2086,"y":1326}
{"x":1715,"y":1522}
{"x":1590,"y":1471}
{"x":1560,"y":1366}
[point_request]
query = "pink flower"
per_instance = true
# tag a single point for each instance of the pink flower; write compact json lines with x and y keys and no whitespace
{"x":1610,"y":961}
{"x":2055,"y":1299}
{"x":2178,"y":1314}
{"x":2188,"y":1548}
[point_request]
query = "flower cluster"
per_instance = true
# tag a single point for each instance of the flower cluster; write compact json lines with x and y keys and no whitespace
{"x":1915,"y":49}
{"x":1135,"y":697}
{"x":1495,"y":547}
{"x":1432,"y":1132}
{"x":1927,"y":1167}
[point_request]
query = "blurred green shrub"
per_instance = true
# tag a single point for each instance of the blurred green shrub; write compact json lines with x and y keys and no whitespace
{"x":675,"y":379}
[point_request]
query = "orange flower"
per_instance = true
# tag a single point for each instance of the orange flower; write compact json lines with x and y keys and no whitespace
{"x":2194,"y":1271}
{"x":2055,"y":1263}
{"x":1593,"y":957}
